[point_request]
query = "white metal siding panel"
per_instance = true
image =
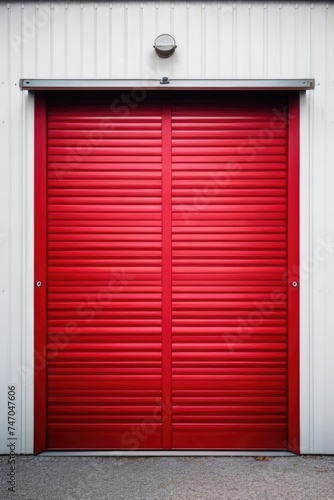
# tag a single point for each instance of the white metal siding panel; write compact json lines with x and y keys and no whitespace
{"x":73,"y":55}
{"x":43,"y":40}
{"x":322,"y":407}
{"x":258,"y":41}
{"x":210,"y":39}
{"x":318,"y":334}
{"x":242,"y":41}
{"x":273,"y":41}
{"x":101,"y":19}
{"x":287,"y":39}
{"x":329,"y":229}
{"x":87,"y":45}
{"x":118,"y":48}
{"x":58,"y":30}
{"x":225,"y":39}
{"x":215,"y":40}
{"x":5,"y":364}
{"x":25,"y":46}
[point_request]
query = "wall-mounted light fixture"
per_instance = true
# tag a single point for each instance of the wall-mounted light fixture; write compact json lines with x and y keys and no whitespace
{"x":164,"y":45}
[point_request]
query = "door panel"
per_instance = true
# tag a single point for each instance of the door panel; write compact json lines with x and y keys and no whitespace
{"x":104,"y":277}
{"x":229,"y":257}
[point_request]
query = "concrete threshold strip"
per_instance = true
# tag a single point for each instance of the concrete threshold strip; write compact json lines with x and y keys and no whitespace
{"x":163,"y":453}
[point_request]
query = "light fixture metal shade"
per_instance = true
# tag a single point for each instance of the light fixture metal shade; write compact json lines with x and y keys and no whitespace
{"x":164,"y":45}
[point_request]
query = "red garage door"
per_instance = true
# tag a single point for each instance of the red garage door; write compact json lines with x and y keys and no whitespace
{"x":165,"y":313}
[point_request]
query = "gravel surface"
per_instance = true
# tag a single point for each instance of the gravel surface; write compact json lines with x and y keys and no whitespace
{"x":177,"y":478}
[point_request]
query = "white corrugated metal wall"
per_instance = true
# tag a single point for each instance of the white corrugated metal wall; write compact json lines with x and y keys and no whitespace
{"x":215,"y":40}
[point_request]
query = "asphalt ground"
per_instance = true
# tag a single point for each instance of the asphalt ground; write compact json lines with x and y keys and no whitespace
{"x":306,"y":477}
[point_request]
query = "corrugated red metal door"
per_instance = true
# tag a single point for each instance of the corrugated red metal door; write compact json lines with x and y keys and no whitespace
{"x":166,"y":257}
{"x":104,"y":276}
{"x":229,"y":170}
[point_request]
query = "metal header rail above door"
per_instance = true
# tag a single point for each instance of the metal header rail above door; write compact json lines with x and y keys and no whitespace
{"x":165,"y":83}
